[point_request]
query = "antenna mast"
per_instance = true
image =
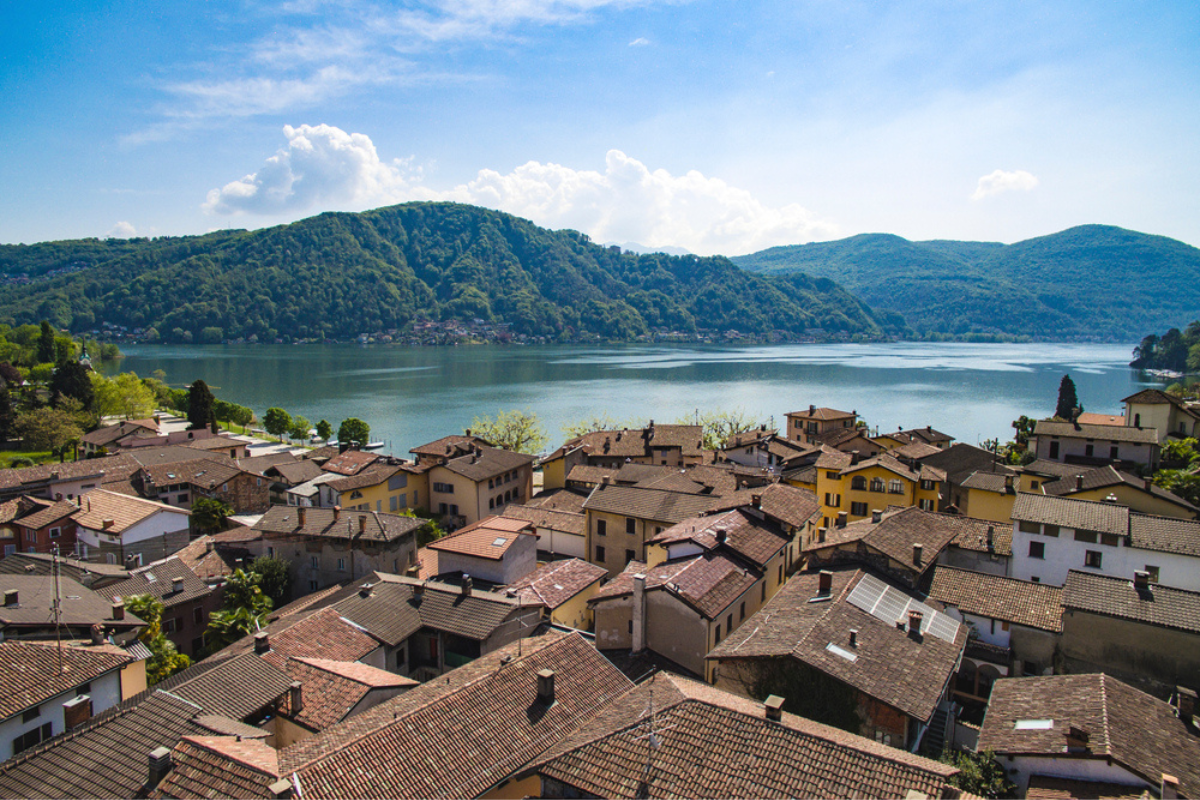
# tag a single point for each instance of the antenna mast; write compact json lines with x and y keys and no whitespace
{"x":57,"y":606}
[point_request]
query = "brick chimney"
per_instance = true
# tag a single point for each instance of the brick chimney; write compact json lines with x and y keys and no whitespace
{"x":118,"y":608}
{"x":337,"y":513}
{"x":1170,"y":787}
{"x":97,"y":634}
{"x":821,"y":535}
{"x":639,"y":613}
{"x":362,"y":525}
{"x":418,"y":591}
{"x":1008,"y":485}
{"x":160,"y":765}
{"x":918,"y":551}
{"x":302,"y":514}
{"x":262,"y":643}
{"x":914,"y":624}
{"x":296,"y":697}
{"x":773,"y":707}
{"x":721,"y":534}
{"x":77,"y":711}
{"x":824,"y":583}
{"x":545,"y":687}
{"x":991,"y":540}
{"x":107,"y":523}
{"x":812,"y":409}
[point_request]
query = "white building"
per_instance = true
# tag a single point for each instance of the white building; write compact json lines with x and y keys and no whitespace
{"x":118,"y":528}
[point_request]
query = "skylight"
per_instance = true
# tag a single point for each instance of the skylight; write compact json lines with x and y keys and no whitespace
{"x":841,"y":651}
{"x":499,"y":541}
{"x":1033,"y":724}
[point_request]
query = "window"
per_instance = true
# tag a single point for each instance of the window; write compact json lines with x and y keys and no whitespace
{"x":742,"y":612}
{"x":1053,"y":450}
{"x":356,"y":494}
{"x":491,"y":502}
{"x":764,"y":592}
{"x":1153,"y":571}
{"x":1035,"y":579}
{"x":1037,"y":549}
{"x":312,"y":586}
{"x":315,"y":561}
{"x":54,"y":532}
{"x":729,"y":622}
{"x":1109,"y":539}
{"x":1089,"y":450}
{"x":225,"y":487}
{"x":926,"y":504}
{"x":629,"y":556}
{"x":170,"y":625}
{"x":1085,"y":536}
{"x":781,"y":573}
{"x":270,"y":552}
{"x":341,"y":564}
{"x":1033,"y":486}
{"x":876,"y":484}
{"x":197,"y":615}
{"x":1029,"y":527}
{"x":1112,"y":452}
{"x":31,"y":714}
{"x":600,"y":553}
{"x":491,"y":483}
{"x":858,"y":509}
{"x":33,"y":737}
{"x":897,"y":487}
{"x":717,"y":634}
{"x":630,"y":525}
{"x":444,"y":488}
{"x":833,"y":476}
{"x":31,"y":536}
{"x":601,"y":527}
{"x":1093,"y":559}
{"x":393,"y":503}
{"x":1050,"y":530}
{"x":859,"y":483}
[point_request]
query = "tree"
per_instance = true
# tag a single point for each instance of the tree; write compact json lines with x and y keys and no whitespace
{"x":200,"y":403}
{"x":46,"y":351}
{"x":1024,"y":426}
{"x":165,"y":660}
{"x":7,"y":415}
{"x":244,"y":610}
{"x":353,"y":429}
{"x":429,"y":532}
{"x":277,"y":421}
{"x":719,"y":425}
{"x":980,"y":774}
{"x":1068,"y":401}
{"x":324,"y":430}
{"x":210,"y":515}
{"x":518,"y":431}
{"x":70,"y":379}
{"x":299,"y":428}
{"x":598,"y":422}
{"x":276,"y":580}
{"x":47,"y":428}
{"x":124,"y":395}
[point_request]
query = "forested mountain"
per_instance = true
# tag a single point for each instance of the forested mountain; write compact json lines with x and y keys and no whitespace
{"x":337,"y":275}
{"x":1090,"y":282}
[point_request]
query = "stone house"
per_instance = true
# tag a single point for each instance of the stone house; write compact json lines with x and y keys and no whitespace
{"x":806,"y":426}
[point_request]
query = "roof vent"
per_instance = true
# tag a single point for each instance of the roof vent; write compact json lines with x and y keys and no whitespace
{"x":918,"y":551}
{"x":545,"y":686}
{"x":11,"y":597}
{"x":773,"y":706}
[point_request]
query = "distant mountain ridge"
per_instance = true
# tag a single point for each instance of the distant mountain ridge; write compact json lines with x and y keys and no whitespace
{"x":1092,"y":282}
{"x":338,"y":275}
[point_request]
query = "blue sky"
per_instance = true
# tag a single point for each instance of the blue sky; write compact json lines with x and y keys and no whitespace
{"x":718,"y":127}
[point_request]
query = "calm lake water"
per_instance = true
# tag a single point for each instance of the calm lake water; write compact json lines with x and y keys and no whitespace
{"x":410,"y":396}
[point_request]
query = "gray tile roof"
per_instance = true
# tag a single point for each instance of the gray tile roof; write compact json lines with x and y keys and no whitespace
{"x":652,"y":504}
{"x":81,"y":607}
{"x":960,"y":460}
{"x":709,"y":582}
{"x":896,"y":533}
{"x":489,"y":463}
{"x":1165,"y":534}
{"x":86,"y":572}
{"x":557,"y":582}
{"x":30,"y":674}
{"x":158,"y":580}
{"x":1163,"y":606}
{"x":1068,"y":513}
{"x":1101,"y":433}
{"x":391,"y":609}
{"x":328,"y":523}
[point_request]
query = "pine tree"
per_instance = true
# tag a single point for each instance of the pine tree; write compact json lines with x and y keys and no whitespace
{"x":1068,"y":401}
{"x":200,"y":405}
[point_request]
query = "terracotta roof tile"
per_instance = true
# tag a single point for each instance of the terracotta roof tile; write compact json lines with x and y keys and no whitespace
{"x":1035,"y":605}
{"x":652,"y":504}
{"x":350,"y":462}
{"x":99,"y":505}
{"x":1164,"y":606}
{"x":158,"y":581}
{"x":557,"y":582}
{"x":746,"y":533}
{"x":710,"y":582}
{"x":489,"y":538}
{"x":1103,"y":433}
{"x":825,"y":414}
{"x":549,"y":518}
{"x":896,"y":533}
{"x":29,"y":672}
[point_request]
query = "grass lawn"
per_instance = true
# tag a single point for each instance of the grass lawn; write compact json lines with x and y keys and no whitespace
{"x":43,"y":457}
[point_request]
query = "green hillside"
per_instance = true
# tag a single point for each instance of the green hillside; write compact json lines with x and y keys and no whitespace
{"x":339,"y":275}
{"x":1090,"y":282}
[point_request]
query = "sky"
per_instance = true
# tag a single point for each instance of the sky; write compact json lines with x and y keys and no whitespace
{"x":718,"y":127}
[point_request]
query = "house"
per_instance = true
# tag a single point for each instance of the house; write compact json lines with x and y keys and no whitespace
{"x":958,"y":462}
{"x":1132,"y":628}
{"x":902,"y":543}
{"x":187,"y":600}
{"x":855,"y":651}
{"x":110,"y":437}
{"x":1015,"y":627}
{"x":926,"y":436}
{"x":89,"y":574}
{"x":1139,"y":494}
{"x":468,"y":735}
{"x":990,"y":495}
{"x":1163,"y":413}
{"x":283,"y":472}
{"x":1094,"y":445}
{"x":65,"y":481}
{"x":1052,"y":535}
{"x":499,"y":550}
{"x":564,"y":588}
{"x":560,"y":533}
{"x":704,"y":577}
{"x":127,"y":530}
{"x":705,"y":742}
{"x":33,"y":525}
{"x":383,"y":485}
{"x":761,"y":448}
{"x":325,"y":546}
{"x":181,"y":483}
{"x":466,"y":488}
{"x":447,"y":447}
{"x":980,"y":546}
{"x":29,"y":610}
{"x":806,"y":426}
{"x":847,"y":484}
{"x":850,"y":440}
{"x":660,"y":445}
{"x":1092,"y":736}
{"x":51,"y":688}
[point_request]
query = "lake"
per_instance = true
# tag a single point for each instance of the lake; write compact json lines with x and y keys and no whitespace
{"x":410,"y":396}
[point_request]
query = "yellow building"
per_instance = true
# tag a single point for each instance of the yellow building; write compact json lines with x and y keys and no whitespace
{"x":380,"y":487}
{"x":564,"y":588}
{"x":859,"y":487}
{"x":806,"y":426}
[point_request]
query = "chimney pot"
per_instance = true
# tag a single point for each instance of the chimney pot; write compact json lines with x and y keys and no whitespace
{"x":11,"y":597}
{"x":773,"y":707}
{"x":118,"y":608}
{"x":824,"y":583}
{"x":296,"y":697}
{"x":842,"y":517}
{"x":1079,"y":483}
{"x":854,"y":637}
{"x":876,"y":515}
{"x":262,"y":643}
{"x":160,"y":765}
{"x":812,"y":409}
{"x":303,"y":515}
{"x":466,"y":585}
{"x":918,"y":551}
{"x":914,"y":623}
{"x":545,"y":686}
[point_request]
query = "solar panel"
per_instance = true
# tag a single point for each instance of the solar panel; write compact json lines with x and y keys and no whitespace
{"x":891,"y":605}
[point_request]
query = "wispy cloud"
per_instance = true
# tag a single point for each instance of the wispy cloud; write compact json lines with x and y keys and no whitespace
{"x":641,"y":41}
{"x":999,"y":181}
{"x":323,"y":167}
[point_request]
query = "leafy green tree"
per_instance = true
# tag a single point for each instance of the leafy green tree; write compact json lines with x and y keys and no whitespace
{"x":124,"y":395}
{"x":244,"y":609}
{"x":276,"y":578}
{"x":210,"y":515}
{"x":299,"y":428}
{"x":1068,"y":401}
{"x":518,"y":431}
{"x":47,"y":353}
{"x":165,"y":660}
{"x":276,"y":421}
{"x":324,"y":429}
{"x":980,"y":774}
{"x":1180,"y":483}
{"x":47,"y":428}
{"x":719,"y":425}
{"x":200,"y":402}
{"x":430,"y":531}
{"x":8,"y":416}
{"x":598,"y":422}
{"x":70,"y":379}
{"x":353,"y":429}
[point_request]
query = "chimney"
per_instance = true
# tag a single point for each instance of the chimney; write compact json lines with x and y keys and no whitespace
{"x":1008,"y":485}
{"x":365,"y":590}
{"x":605,"y":480}
{"x":812,"y":409}
{"x":841,"y":518}
{"x":821,"y":535}
{"x":1079,"y":483}
{"x":296,"y":697}
{"x":876,"y":515}
{"x":160,"y":765}
{"x":773,"y":706}
{"x":11,"y":597}
{"x":639,"y":613}
{"x":918,"y":551}
{"x":118,"y":608}
{"x":1185,"y":703}
{"x":107,"y":523}
{"x":1141,"y":581}
{"x":209,"y":545}
{"x":721,"y":534}
{"x":914,"y":623}
{"x":418,"y":591}
{"x":97,"y":634}
{"x":303,"y":514}
{"x":756,"y":500}
{"x":853,"y":457}
{"x":281,"y":789}
{"x":362,"y":525}
{"x":1077,"y":738}
{"x":176,"y":585}
{"x":991,"y":539}
{"x":545,"y":687}
{"x":1170,"y":787}
{"x":262,"y":643}
{"x":824,"y":583}
{"x":466,"y":585}
{"x":854,"y":637}
{"x":337,"y":513}
{"x":77,"y":711}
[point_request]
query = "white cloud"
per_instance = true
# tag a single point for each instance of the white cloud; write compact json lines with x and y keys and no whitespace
{"x":122,"y":230}
{"x":641,"y":41}
{"x":325,"y":167}
{"x":1000,"y":181}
